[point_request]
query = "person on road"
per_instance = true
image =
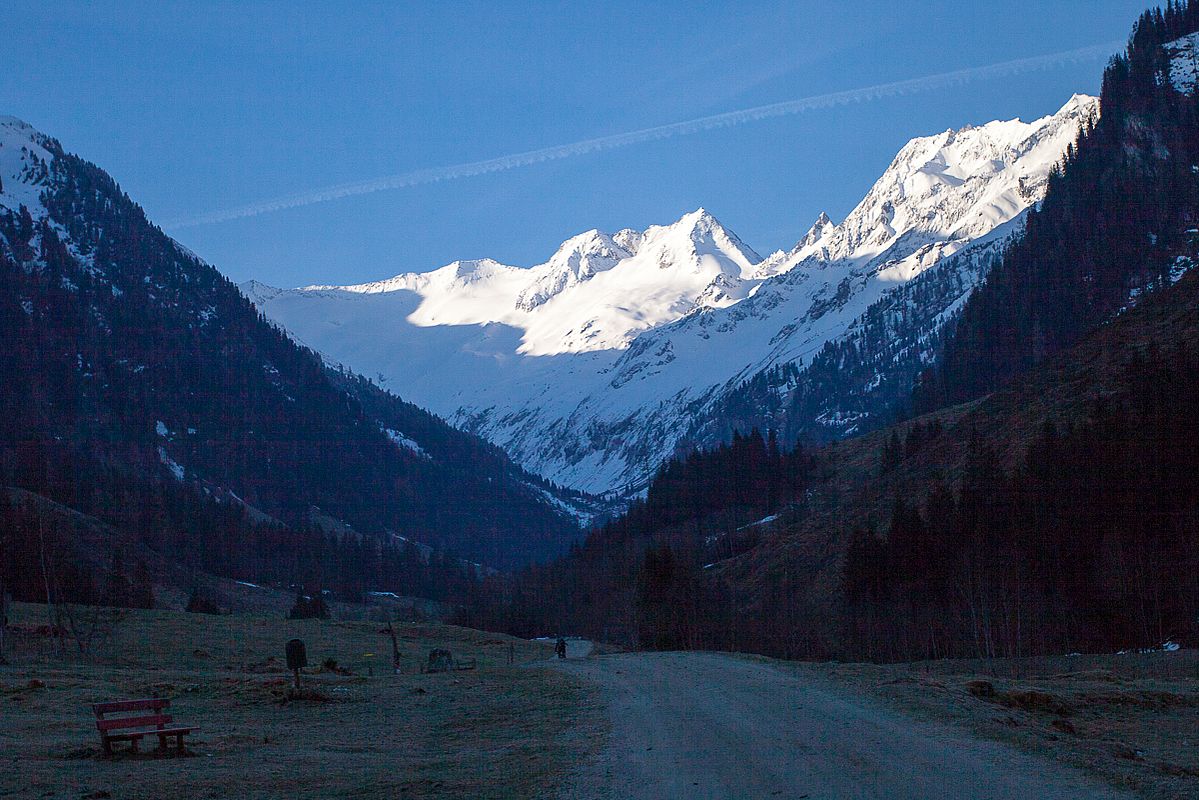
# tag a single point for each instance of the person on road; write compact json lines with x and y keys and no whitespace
{"x":560,"y":647}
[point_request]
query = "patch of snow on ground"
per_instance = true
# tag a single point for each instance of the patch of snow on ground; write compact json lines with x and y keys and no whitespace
{"x":762,"y":521}
{"x":1184,"y":63}
{"x":171,"y":464}
{"x":1164,"y":647}
{"x":404,"y":442}
{"x":581,"y":516}
{"x":1181,"y":266}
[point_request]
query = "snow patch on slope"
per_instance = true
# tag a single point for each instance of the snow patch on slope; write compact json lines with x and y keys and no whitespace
{"x":171,"y":464}
{"x":24,"y":163}
{"x":404,"y":442}
{"x":1184,"y":63}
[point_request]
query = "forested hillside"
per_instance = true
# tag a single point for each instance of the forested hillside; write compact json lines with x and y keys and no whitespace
{"x":1113,"y":222}
{"x":640,"y":579}
{"x":145,"y":391}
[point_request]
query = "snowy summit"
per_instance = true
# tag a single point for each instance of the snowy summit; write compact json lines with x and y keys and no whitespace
{"x":588,"y":367}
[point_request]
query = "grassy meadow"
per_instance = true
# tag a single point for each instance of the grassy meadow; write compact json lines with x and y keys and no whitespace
{"x":359,"y":730}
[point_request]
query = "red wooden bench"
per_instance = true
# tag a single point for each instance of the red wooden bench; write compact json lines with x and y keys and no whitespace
{"x":140,"y":718}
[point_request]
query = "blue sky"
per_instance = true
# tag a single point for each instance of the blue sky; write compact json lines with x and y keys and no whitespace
{"x":202,"y":107}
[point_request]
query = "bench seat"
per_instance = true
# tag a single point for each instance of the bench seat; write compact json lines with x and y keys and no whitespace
{"x":133,"y":729}
{"x":153,"y":732}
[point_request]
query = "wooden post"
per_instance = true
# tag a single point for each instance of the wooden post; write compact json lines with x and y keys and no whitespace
{"x":511,"y":654}
{"x":297,"y":659}
{"x":3,"y":621}
{"x":395,"y":649}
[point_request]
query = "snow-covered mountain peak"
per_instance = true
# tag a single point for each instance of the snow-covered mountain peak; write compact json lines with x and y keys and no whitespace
{"x":457,"y":275}
{"x":16,"y":124}
{"x":1085,"y":103}
{"x":16,"y":133}
{"x":629,"y":239}
{"x":667,"y":272}
{"x":587,"y":251}
{"x":704,"y":231}
{"x":820,"y":228}
{"x":957,"y":184}
{"x":259,"y":292}
{"x":577,"y":260}
{"x":470,"y":270}
{"x":596,"y":292}
{"x":699,"y":244}
{"x":25,"y":160}
{"x":590,"y":366}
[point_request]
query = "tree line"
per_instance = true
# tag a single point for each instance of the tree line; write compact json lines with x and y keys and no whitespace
{"x":644,"y":579}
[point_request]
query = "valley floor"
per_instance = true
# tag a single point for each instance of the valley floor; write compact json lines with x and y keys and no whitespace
{"x":627,"y":725}
{"x":497,"y":731}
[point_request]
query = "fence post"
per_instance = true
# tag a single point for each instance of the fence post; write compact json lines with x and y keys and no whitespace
{"x":3,"y":621}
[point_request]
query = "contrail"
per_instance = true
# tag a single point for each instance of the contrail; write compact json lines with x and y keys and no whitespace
{"x":725,"y":120}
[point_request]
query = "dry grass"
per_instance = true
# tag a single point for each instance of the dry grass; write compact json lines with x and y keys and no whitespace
{"x":496,"y":731}
{"x":1131,"y":719}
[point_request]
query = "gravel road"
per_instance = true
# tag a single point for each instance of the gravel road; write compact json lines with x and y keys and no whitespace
{"x":704,"y":725}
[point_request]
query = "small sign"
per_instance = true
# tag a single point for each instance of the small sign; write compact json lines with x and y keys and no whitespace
{"x":297,"y":657}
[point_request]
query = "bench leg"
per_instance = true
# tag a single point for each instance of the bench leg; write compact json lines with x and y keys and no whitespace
{"x":104,"y":741}
{"x":133,"y":745}
{"x":162,"y":741}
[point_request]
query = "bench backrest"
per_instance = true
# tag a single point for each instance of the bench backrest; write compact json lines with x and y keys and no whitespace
{"x":155,"y":718}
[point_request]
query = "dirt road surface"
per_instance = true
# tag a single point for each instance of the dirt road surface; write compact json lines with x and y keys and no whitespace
{"x":703,"y":725}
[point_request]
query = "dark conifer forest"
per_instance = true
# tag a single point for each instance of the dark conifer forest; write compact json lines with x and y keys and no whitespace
{"x":640,"y":578}
{"x":146,"y":392}
{"x":1090,"y":545}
